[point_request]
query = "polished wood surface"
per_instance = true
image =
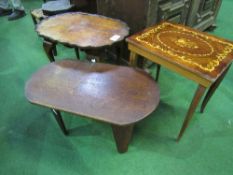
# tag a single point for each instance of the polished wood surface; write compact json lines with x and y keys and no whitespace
{"x":199,"y":53}
{"x":83,"y":30}
{"x":195,"y":55}
{"x":113,"y":94}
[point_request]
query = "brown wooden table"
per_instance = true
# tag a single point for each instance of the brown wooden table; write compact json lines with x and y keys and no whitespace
{"x":51,"y":8}
{"x":197,"y":56}
{"x":120,"y":96}
{"x":37,"y":15}
{"x":82,"y":31}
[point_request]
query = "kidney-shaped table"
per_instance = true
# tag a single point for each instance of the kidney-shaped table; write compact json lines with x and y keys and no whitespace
{"x":118,"y":95}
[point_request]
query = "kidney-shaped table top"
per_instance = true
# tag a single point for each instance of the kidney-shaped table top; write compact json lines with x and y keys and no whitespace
{"x":114,"y":94}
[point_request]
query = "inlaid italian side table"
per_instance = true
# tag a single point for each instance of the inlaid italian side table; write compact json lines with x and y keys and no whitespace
{"x":198,"y":56}
{"x":88,"y":32}
{"x":118,"y":95}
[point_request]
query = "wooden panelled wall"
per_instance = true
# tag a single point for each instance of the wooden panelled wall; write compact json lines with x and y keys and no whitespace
{"x":199,"y":14}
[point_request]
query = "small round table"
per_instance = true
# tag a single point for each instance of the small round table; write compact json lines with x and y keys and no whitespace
{"x":88,"y":32}
{"x":51,"y":8}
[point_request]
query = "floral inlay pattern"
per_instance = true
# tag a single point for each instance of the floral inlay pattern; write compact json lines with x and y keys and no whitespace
{"x":191,"y":47}
{"x":183,"y":42}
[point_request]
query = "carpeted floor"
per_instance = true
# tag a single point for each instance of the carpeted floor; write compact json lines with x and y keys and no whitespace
{"x":32,"y":144}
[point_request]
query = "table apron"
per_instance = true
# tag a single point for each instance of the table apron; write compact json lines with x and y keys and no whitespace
{"x":190,"y":75}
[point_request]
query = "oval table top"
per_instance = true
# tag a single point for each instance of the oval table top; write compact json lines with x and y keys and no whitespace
{"x":114,"y":94}
{"x":83,"y":30}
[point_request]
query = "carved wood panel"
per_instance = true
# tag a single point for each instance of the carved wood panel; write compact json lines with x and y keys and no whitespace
{"x":133,"y":12}
{"x":203,"y":13}
{"x":174,"y":11}
{"x":139,"y":14}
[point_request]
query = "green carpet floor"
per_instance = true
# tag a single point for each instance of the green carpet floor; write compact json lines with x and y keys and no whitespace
{"x":31,"y":142}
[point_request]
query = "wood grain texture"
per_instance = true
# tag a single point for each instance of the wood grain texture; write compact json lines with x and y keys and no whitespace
{"x":114,"y":94}
{"x":202,"y":54}
{"x":83,"y":30}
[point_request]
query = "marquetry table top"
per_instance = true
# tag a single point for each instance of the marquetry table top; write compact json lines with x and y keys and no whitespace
{"x":83,"y":30}
{"x":198,"y":52}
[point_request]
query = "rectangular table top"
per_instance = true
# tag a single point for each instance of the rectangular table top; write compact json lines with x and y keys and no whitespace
{"x":200,"y":53}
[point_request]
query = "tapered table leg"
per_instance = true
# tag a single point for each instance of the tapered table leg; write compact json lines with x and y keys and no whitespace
{"x":157,"y":72}
{"x":60,"y":122}
{"x":212,"y":89}
{"x":133,"y":60}
{"x":33,"y":19}
{"x":95,"y":54}
{"x":199,"y":93}
{"x":77,"y":53}
{"x":122,"y":135}
{"x":55,"y":50}
{"x":49,"y":48}
{"x":118,"y":48}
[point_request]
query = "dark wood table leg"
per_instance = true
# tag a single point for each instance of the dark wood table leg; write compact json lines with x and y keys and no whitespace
{"x":212,"y":89}
{"x":118,"y":49}
{"x":199,"y":93}
{"x":157,"y":72}
{"x":55,"y":50}
{"x":77,"y":53}
{"x":49,"y":49}
{"x":60,"y":122}
{"x":140,"y":62}
{"x":94,"y":55}
{"x":33,"y":19}
{"x":122,"y":136}
{"x":133,"y":60}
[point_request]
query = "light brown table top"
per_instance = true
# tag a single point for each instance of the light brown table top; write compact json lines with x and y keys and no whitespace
{"x":200,"y":53}
{"x":83,"y":30}
{"x":114,"y":94}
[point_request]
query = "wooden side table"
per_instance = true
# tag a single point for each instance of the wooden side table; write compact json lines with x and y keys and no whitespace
{"x":197,"y":56}
{"x":88,"y":32}
{"x":37,"y":15}
{"x":57,"y":7}
{"x":117,"y":95}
